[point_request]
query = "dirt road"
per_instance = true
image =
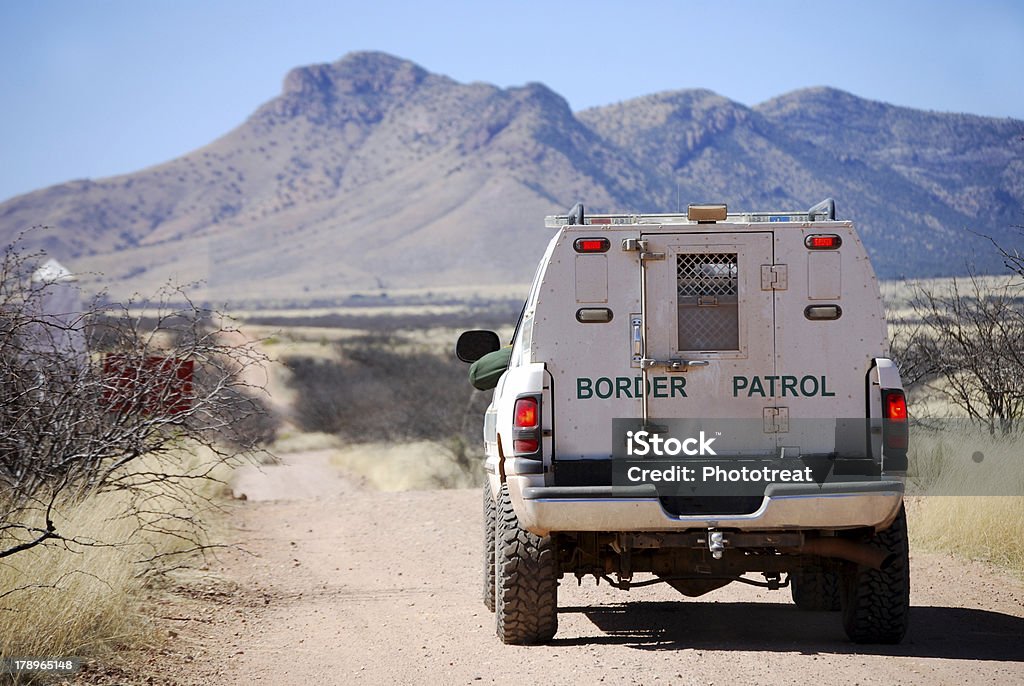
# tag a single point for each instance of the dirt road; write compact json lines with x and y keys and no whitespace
{"x":345,"y":585}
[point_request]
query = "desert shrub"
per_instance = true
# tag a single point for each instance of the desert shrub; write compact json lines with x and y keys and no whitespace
{"x":114,"y":428}
{"x":959,"y":346}
{"x":91,"y":388}
{"x":85,"y":597}
{"x":387,"y":388}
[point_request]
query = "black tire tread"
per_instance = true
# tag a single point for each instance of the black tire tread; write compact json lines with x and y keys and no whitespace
{"x":815,"y":589}
{"x":876,"y":604}
{"x":490,"y":521}
{"x":526,"y":601}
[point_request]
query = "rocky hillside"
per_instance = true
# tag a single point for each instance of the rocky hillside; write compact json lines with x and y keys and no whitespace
{"x":916,"y":182}
{"x":372,"y":172}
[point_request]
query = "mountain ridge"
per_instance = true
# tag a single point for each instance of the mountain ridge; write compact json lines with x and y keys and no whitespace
{"x":373,"y":171}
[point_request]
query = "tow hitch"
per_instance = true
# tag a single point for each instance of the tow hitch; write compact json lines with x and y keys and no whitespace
{"x":716,"y":543}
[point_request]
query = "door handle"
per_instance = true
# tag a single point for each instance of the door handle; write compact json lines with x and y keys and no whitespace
{"x":673,"y":365}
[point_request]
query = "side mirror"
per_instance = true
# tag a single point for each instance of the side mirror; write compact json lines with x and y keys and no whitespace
{"x":473,"y":345}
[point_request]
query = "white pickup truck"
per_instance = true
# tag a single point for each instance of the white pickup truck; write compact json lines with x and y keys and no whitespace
{"x":695,"y":399}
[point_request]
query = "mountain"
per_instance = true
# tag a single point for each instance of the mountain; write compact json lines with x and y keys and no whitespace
{"x":373,"y":172}
{"x":917,"y":183}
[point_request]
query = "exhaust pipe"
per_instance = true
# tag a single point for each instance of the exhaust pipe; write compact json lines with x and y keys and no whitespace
{"x":860,"y":553}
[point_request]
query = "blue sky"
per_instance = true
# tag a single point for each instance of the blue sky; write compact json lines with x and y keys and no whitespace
{"x":103,"y":87}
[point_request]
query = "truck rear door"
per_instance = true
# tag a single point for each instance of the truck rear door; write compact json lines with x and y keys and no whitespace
{"x":708,"y":327}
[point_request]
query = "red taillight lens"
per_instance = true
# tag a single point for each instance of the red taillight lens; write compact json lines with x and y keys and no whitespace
{"x":591,"y":245}
{"x":895,"y":406}
{"x":525,"y":445}
{"x":895,"y":432}
{"x":526,"y":413}
{"x":823,"y":241}
{"x":526,"y":426}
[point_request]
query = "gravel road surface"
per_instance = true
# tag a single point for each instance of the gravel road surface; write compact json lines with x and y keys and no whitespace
{"x":343,"y":585}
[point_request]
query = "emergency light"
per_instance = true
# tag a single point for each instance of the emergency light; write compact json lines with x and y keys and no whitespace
{"x":707,"y":213}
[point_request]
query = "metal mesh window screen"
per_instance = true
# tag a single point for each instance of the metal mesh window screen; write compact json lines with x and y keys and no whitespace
{"x":707,"y":295}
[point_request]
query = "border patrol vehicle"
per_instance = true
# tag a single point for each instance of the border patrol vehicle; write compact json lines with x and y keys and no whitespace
{"x":697,"y":398}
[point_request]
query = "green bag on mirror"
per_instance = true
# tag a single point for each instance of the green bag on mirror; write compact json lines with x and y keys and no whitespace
{"x":485,"y":372}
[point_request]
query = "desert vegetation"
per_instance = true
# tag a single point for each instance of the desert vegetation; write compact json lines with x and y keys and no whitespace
{"x":116,"y":426}
{"x":960,"y":346}
{"x":119,"y":426}
{"x":384,"y":391}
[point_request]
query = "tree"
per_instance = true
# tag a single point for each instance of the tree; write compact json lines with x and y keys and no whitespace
{"x":966,"y":343}
{"x":1012,"y":258}
{"x":91,"y":393}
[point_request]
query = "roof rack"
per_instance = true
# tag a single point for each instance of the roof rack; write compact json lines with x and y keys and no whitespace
{"x":823,"y":211}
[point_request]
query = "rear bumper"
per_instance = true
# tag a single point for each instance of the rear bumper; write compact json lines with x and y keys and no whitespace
{"x":543,"y":509}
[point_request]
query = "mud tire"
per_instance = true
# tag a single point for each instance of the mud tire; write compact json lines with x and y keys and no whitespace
{"x":815,"y":589}
{"x":490,"y":521}
{"x":526,"y":573}
{"x":876,"y":604}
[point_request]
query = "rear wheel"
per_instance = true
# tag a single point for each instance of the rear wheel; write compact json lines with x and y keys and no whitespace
{"x":815,"y":589}
{"x":490,"y":520}
{"x":526,"y":600}
{"x":876,"y":603}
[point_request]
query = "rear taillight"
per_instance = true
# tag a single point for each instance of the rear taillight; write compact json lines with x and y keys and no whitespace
{"x":895,"y":405}
{"x":526,"y":413}
{"x":823,"y":241}
{"x":895,"y":433}
{"x":526,"y":426}
{"x":591,"y":245}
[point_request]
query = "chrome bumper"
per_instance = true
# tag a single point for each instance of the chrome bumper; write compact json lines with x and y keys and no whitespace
{"x":543,"y":509}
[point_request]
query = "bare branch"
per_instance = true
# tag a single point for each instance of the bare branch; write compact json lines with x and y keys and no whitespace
{"x":92,"y":390}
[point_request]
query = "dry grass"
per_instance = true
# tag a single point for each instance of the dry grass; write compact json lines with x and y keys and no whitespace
{"x":971,"y":508}
{"x":979,"y":528}
{"x":305,"y":441}
{"x":83,"y":598}
{"x":76,"y":600}
{"x":899,"y":294}
{"x":405,"y":466}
